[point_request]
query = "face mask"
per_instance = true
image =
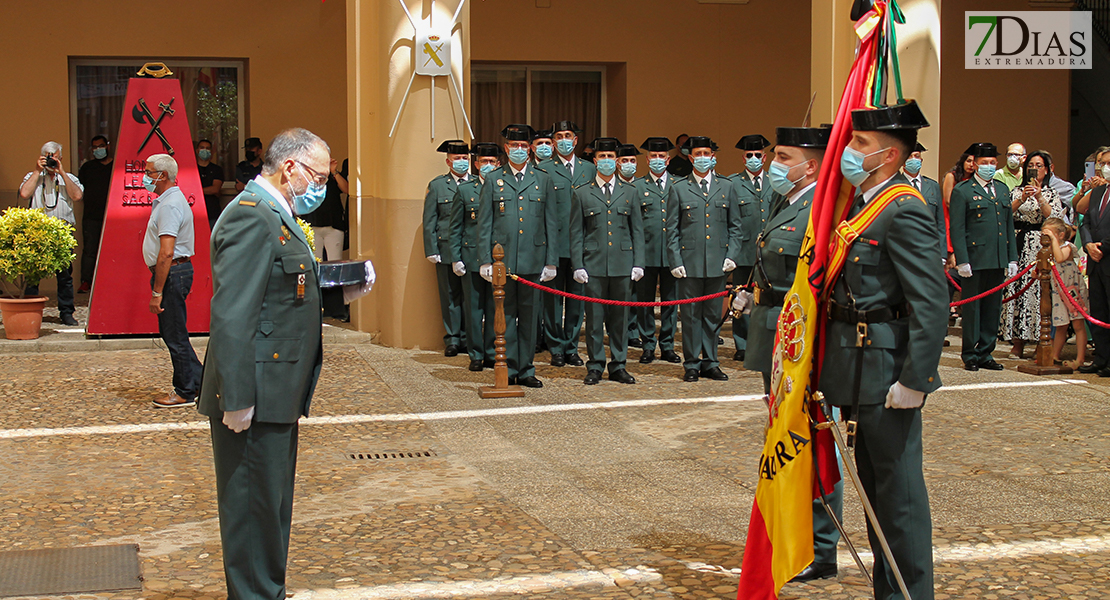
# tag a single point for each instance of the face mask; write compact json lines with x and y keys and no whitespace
{"x":987,"y":171}
{"x":628,"y":169}
{"x":713,"y":162}
{"x":851,"y":165}
{"x":913,"y":166}
{"x":100,"y":153}
{"x":1105,"y":171}
{"x":251,"y":155}
{"x":204,"y":154}
{"x":518,"y":156}
{"x":148,"y":183}
{"x":460,"y":166}
{"x":778,"y":175}
{"x":1012,"y":162}
{"x":657,"y":165}
{"x":566,"y":146}
{"x":754,"y":164}
{"x":606,"y":166}
{"x":685,"y":151}
{"x":703,"y":164}
{"x":486,"y":169}
{"x":311,"y":199}
{"x":544,"y":151}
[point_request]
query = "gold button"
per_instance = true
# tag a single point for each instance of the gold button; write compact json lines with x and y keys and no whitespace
{"x":521,"y":208}
{"x":610,"y":243}
{"x":520,"y":198}
{"x":275,"y":354}
{"x":707,"y":237}
{"x":522,"y":219}
{"x":610,"y":212}
{"x":302,"y":265}
{"x":707,"y":214}
{"x":521,"y":231}
{"x":930,"y":380}
{"x":780,"y":250}
{"x":610,"y":222}
{"x":610,"y":233}
{"x":707,"y":225}
{"x":868,"y":342}
{"x":856,"y":259}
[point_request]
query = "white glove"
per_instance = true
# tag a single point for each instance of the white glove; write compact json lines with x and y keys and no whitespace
{"x":434,"y":259}
{"x":239,"y":420}
{"x":678,"y":272}
{"x":637,"y":273}
{"x":964,"y":270}
{"x":742,"y":300}
{"x":581,"y":276}
{"x":901,"y":396}
{"x":459,"y":268}
{"x":355,"y":291}
{"x":1011,"y":270}
{"x":486,"y":271}
{"x":548,"y":273}
{"x":729,"y":265}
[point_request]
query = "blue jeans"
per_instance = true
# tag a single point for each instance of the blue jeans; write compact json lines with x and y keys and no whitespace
{"x":172,"y":327}
{"x":65,"y":290}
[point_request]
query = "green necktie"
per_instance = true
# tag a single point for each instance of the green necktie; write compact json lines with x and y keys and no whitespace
{"x":607,"y":191}
{"x":755,"y":181}
{"x":704,"y":187}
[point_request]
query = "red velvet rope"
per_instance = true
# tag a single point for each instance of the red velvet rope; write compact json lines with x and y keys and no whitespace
{"x":996,"y":289}
{"x":1073,"y":302}
{"x":1021,"y":291}
{"x":616,"y":302}
{"x":953,"y":281}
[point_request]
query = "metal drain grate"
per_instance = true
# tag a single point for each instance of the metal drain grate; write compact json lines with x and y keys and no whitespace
{"x":390,"y":455}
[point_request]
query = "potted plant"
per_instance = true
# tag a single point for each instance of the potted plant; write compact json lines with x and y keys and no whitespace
{"x":33,"y":246}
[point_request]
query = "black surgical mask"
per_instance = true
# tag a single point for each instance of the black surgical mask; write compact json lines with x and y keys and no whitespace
{"x":251,"y":155}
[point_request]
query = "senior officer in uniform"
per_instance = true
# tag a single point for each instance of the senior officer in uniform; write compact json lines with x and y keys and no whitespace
{"x":263,"y":360}
{"x":437,"y":240}
{"x":986,"y":254}
{"x":515,"y":211}
{"x":754,"y":195}
{"x":886,"y":328}
{"x":703,"y":242}
{"x":606,"y":253}
{"x":562,"y":317}
{"x":477,"y":294}
{"x":930,"y":190}
{"x":652,"y":192}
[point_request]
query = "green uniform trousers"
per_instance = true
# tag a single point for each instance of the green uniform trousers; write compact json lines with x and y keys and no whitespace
{"x":522,"y":311}
{"x":477,"y":296}
{"x":825,"y":534}
{"x":740,"y":277}
{"x":643,"y":318}
{"x":980,"y":318}
{"x":601,"y":318}
{"x":450,"y":304}
{"x":562,"y":317}
{"x":254,"y":490}
{"x":700,"y":321}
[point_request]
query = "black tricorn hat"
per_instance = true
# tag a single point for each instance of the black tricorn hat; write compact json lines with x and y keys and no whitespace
{"x":454,"y":147}
{"x":985,"y":149}
{"x":517,"y":133}
{"x":755,"y":141}
{"x":253,"y":143}
{"x":907,"y":115}
{"x":920,"y":148}
{"x":657,"y":144}
{"x":628,"y":150}
{"x":699,"y":141}
{"x":541,"y":134}
{"x":605,"y":144}
{"x":565,"y":126}
{"x":486,"y":149}
{"x":803,"y":137}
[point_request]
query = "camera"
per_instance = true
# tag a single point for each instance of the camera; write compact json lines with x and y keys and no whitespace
{"x":51,"y":162}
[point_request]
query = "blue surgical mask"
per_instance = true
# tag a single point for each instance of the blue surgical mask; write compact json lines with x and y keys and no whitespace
{"x":544,"y":151}
{"x":713,"y":162}
{"x":685,"y":151}
{"x":657,"y":165}
{"x":628,"y":169}
{"x":703,"y":164}
{"x":566,"y":146}
{"x":851,"y":165}
{"x":460,"y":166}
{"x":311,"y":199}
{"x":148,"y":183}
{"x":518,"y":156}
{"x":100,"y":153}
{"x":778,"y":175}
{"x":913,"y":166}
{"x":754,"y":164}
{"x":987,"y":171}
{"x":606,"y":166}
{"x":204,"y":154}
{"x":486,"y":169}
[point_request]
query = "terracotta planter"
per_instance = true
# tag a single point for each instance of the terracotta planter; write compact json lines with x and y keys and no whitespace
{"x":22,"y":317}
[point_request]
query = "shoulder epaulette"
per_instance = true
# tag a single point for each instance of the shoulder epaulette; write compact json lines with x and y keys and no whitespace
{"x":248,"y":202}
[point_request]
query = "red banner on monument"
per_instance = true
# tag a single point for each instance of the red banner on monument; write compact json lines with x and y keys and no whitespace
{"x":154,"y":122}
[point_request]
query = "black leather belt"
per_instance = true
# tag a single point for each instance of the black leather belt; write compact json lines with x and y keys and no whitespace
{"x":770,"y":297}
{"x":875,"y":315}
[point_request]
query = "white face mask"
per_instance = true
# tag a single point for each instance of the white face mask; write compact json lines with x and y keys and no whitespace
{"x":1105,"y":171}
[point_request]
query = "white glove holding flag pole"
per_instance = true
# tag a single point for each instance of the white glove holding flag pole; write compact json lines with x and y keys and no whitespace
{"x":486,"y":271}
{"x":548,"y":273}
{"x":581,"y":276}
{"x":239,"y":420}
{"x":742,"y":302}
{"x":678,"y":272}
{"x":964,"y":270}
{"x":459,"y":268}
{"x":901,"y":396}
{"x":729,"y":265}
{"x":637,"y":273}
{"x":1011,"y":270}
{"x":355,"y":291}
{"x":434,"y":259}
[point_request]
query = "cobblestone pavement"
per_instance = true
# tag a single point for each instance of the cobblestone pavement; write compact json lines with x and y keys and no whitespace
{"x":608,"y":491}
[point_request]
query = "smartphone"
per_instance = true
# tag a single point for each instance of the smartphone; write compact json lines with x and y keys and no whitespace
{"x":1088,"y":169}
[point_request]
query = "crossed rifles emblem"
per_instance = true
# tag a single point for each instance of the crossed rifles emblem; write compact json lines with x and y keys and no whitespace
{"x":142,"y":114}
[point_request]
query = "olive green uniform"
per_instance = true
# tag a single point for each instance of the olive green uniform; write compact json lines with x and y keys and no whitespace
{"x":437,"y":240}
{"x":476,"y":292}
{"x":754,"y":195}
{"x":651,"y":195}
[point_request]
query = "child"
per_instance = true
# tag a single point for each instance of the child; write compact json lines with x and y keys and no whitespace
{"x":1065,"y":255}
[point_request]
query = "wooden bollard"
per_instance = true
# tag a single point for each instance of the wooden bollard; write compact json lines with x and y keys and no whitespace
{"x":1042,"y":361}
{"x":501,"y":387}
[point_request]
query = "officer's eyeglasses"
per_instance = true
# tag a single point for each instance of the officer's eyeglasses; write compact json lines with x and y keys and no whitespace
{"x":317,"y":177}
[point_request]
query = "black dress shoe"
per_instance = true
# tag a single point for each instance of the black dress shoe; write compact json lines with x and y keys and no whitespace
{"x":1091,"y":368}
{"x":451,"y":350}
{"x":489,"y":363}
{"x":530,"y":381}
{"x":69,"y":320}
{"x":991,"y":365}
{"x":970,"y":366}
{"x":670,"y":356}
{"x":475,"y":365}
{"x":593,"y":377}
{"x":1104,"y":372}
{"x":691,"y":375}
{"x":635,"y":342}
{"x":816,"y":571}
{"x":716,"y":374}
{"x":574,"y":359}
{"x":720,"y":341}
{"x":739,"y":355}
{"x":512,"y":381}
{"x":647,"y":358}
{"x":557,"y":360}
{"x":621,"y":376}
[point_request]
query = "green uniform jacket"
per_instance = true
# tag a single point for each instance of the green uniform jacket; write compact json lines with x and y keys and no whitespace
{"x":652,"y":203}
{"x":930,"y":190}
{"x":464,"y":224}
{"x":265,"y":347}
{"x":703,"y":229}
{"x":516,"y":216}
{"x":606,"y":237}
{"x":437,"y":217}
{"x":894,"y":261}
{"x":982,"y":227}
{"x":584,"y":173}
{"x":755,"y":210}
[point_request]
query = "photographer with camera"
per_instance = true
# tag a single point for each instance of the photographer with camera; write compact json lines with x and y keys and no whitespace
{"x":51,"y":189}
